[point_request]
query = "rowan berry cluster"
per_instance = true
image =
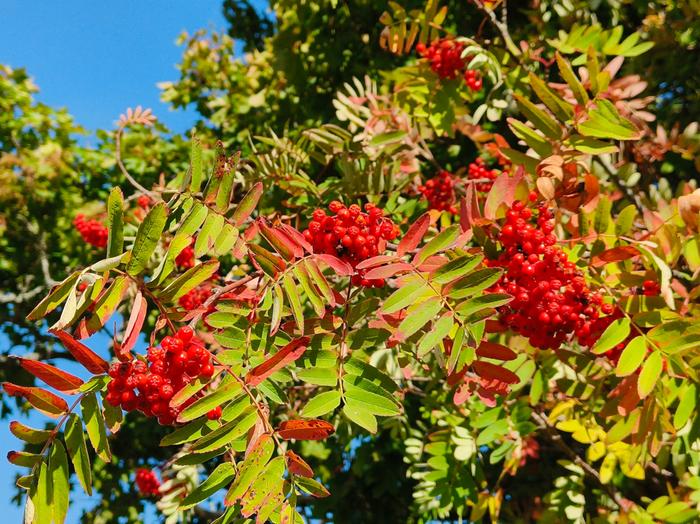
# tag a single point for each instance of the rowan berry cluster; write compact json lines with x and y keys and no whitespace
{"x":351,"y":234}
{"x":93,"y":231}
{"x":147,"y":482}
{"x":185,"y":259}
{"x":194,"y":299}
{"x":479,"y":171}
{"x":445,"y":58}
{"x":650,"y":288}
{"x":440,"y":192}
{"x":550,"y":298}
{"x":144,"y":201}
{"x":149,"y":386}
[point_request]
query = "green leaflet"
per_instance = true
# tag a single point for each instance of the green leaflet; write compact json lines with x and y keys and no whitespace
{"x":321,"y":404}
{"x":539,"y":118}
{"x":55,"y":298}
{"x":220,"y":477}
{"x":558,"y":106}
{"x":115,"y":223}
{"x":78,"y":452}
{"x":95,"y":426}
{"x":615,"y":333}
{"x":432,"y":338}
{"x":419,"y":315}
{"x":474,"y":283}
{"x":357,"y":413}
{"x":249,"y":470}
{"x":189,"y":280}
{"x":374,"y":399}
{"x":651,"y":371}
{"x":147,"y":238}
{"x":196,"y":169}
{"x":632,"y":357}
{"x":605,"y":122}
{"x":455,"y":269}
{"x":188,"y":432}
{"x":213,"y":225}
{"x":227,"y":390}
{"x":290,"y":288}
{"x":442,"y":241}
{"x":27,"y":434}
{"x":107,"y":304}
{"x":60,"y":487}
{"x":226,"y":433}
{"x":265,"y":495}
{"x":406,"y":295}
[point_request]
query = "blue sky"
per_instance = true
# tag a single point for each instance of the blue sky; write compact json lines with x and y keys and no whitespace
{"x":96,"y":58}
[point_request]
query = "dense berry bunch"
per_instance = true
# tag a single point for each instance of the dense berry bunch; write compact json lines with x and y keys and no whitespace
{"x":440,"y":193}
{"x":93,"y":232}
{"x":147,"y":482}
{"x":148,"y":387}
{"x":479,"y":171}
{"x":351,"y":234}
{"x":550,"y":298}
{"x":445,"y":58}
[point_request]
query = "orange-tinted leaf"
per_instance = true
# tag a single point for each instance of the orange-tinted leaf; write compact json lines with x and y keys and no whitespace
{"x":266,"y":260}
{"x":45,"y":401}
{"x":298,"y":466}
{"x":295,"y":236}
{"x":388,"y":271}
{"x":283,"y":245}
{"x":616,"y":254}
{"x":83,"y":354}
{"x":54,"y":377}
{"x":494,"y":372}
{"x":305,"y":429}
{"x":247,"y":204}
{"x":414,"y":235}
{"x":502,"y":192}
{"x":493,"y":350}
{"x":379,"y":260}
{"x":133,"y":328}
{"x":341,"y":268}
{"x":284,"y":356}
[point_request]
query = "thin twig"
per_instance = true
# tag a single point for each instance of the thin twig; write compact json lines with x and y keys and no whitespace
{"x":122,"y":167}
{"x":589,"y":470}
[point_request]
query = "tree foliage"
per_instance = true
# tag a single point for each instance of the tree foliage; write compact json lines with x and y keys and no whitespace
{"x":441,"y":262}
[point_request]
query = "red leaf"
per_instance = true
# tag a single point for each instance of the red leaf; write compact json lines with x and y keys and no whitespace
{"x":341,"y":268}
{"x":493,"y":350}
{"x":469,"y":209}
{"x":379,"y":260}
{"x":284,"y":356}
{"x":54,"y":377}
{"x":45,"y":401}
{"x":83,"y":354}
{"x":502,"y":192}
{"x":414,"y":235}
{"x":133,"y":328}
{"x":288,"y":249}
{"x":387,"y":271}
{"x":298,"y":466}
{"x":247,"y":204}
{"x":494,"y":372}
{"x":305,"y":429}
{"x":296,"y":237}
{"x":616,"y":254}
